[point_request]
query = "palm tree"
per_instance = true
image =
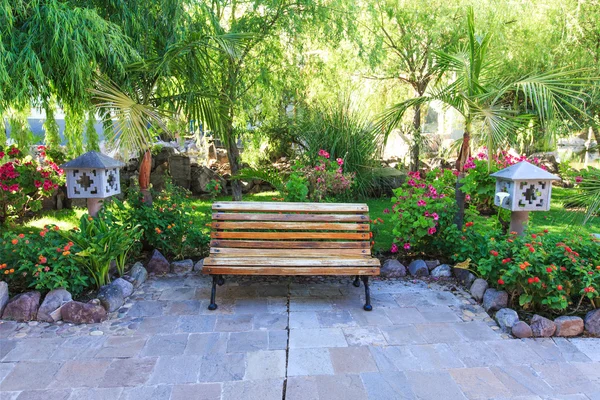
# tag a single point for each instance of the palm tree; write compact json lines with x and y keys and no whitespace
{"x":494,"y":106}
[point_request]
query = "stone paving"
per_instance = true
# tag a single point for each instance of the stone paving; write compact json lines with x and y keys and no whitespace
{"x":292,"y":338}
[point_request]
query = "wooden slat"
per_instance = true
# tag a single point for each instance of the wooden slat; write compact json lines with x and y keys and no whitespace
{"x":321,"y":253}
{"x":290,"y":271}
{"x":289,"y":235}
{"x":288,"y":262}
{"x":290,"y":207}
{"x":304,"y":226}
{"x":286,"y":244}
{"x":219,"y":216}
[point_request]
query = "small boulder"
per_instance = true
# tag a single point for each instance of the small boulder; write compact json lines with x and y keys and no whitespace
{"x":23,"y":307}
{"x":442,"y":271}
{"x":542,"y":327}
{"x":182,"y":266}
{"x":138,"y":274}
{"x":507,"y":318}
{"x":478,"y":289}
{"x":158,"y":264}
{"x":521,"y":330}
{"x":3,"y":296}
{"x":464,"y":276}
{"x":125,"y":287}
{"x":432,"y":264}
{"x":493,"y":300}
{"x":53,"y":301}
{"x":200,"y":264}
{"x":111,"y":297}
{"x":391,"y":268}
{"x":592,"y":322}
{"x":567,"y":326}
{"x":418,"y":268}
{"x":83,"y":313}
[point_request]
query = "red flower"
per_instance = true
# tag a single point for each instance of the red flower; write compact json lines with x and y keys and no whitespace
{"x":506,"y":261}
{"x":14,"y":151}
{"x":533,"y":235}
{"x":549,"y":269}
{"x":563,"y":268}
{"x":530,"y":280}
{"x":500,"y":281}
{"x":545,"y":230}
{"x":531,"y":249}
{"x":559,"y":287}
{"x":536,"y":279}
{"x":469,"y":224}
{"x":494,"y":253}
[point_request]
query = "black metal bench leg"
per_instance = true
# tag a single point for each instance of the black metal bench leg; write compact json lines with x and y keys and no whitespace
{"x":221,"y":280}
{"x":213,"y":292}
{"x":368,"y":306}
{"x":356,"y":281}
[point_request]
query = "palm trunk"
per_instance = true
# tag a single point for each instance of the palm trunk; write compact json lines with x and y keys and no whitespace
{"x":144,"y":177}
{"x":414,"y":162}
{"x":463,"y":156}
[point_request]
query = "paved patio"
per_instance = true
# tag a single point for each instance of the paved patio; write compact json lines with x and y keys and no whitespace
{"x":292,"y":338}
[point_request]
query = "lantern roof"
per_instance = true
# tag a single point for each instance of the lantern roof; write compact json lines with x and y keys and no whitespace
{"x":93,"y":159}
{"x":524,"y":170}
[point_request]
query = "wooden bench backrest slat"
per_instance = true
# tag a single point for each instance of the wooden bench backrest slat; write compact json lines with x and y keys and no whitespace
{"x":286,"y":252}
{"x":290,"y":207}
{"x":286,"y":244}
{"x":289,"y":235}
{"x":303,"y":226}
{"x":221,"y":216}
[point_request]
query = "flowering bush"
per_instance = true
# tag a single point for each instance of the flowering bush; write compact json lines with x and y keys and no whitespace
{"x":43,"y":261}
{"x":422,"y":206}
{"x":25,"y":181}
{"x":328,"y":180}
{"x":214,"y":188}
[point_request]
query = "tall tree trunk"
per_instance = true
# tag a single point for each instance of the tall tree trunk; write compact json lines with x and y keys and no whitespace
{"x":414,"y":162}
{"x":463,"y":156}
{"x":144,"y":177}
{"x":233,"y":155}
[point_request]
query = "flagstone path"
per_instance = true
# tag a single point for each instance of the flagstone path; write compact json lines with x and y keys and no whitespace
{"x":293,"y":339}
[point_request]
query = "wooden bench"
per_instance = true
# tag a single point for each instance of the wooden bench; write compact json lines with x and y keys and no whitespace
{"x":272,"y":238}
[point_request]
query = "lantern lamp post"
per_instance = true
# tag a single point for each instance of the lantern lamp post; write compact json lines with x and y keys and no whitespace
{"x":522,"y":188}
{"x":92,"y":176}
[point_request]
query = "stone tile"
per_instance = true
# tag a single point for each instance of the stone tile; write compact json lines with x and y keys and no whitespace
{"x":128,"y":372}
{"x":304,"y":320}
{"x":376,"y":317}
{"x":265,"y":365}
{"x":335,"y":319}
{"x":404,"y":315}
{"x":341,"y":387}
{"x":176,"y":369}
{"x":325,"y":291}
{"x":223,"y":367}
{"x":5,"y":369}
{"x":270,"y":321}
{"x":565,"y":378}
{"x":546,"y":349}
{"x":79,"y":347}
{"x":241,"y":342}
{"x":55,"y":394}
{"x":121,"y":347}
{"x":387,"y":386}
{"x":30,"y":375}
{"x":309,"y":338}
{"x":439,"y":298}
{"x":352,"y":360}
{"x":438,"y":333}
{"x":6,"y":345}
{"x":302,"y":388}
{"x":234,"y":323}
{"x":253,"y":390}
{"x":160,"y":392}
{"x":80,"y":373}
{"x":588,"y":346}
{"x":278,"y":305}
{"x":479,"y":383}
{"x":165,"y":345}
{"x":589,"y":370}
{"x":438,"y":314}
{"x":278,"y":340}
{"x":146,"y":308}
{"x":309,"y":362}
{"x":364,"y":336}
{"x":10,"y":395}
{"x":251,"y":306}
{"x":196,"y":323}
{"x":435,"y":356}
{"x":157,"y":325}
{"x":33,"y":349}
{"x":476,"y":330}
{"x":95,"y":394}
{"x":569,"y":351}
{"x":433,"y":385}
{"x":411,"y":300}
{"x":199,"y":391}
{"x":185,"y":307}
{"x":513,"y":352}
{"x":200,"y":344}
{"x":475,"y":354}
{"x":394,"y":358}
{"x":309,"y":304}
{"x":178,"y":294}
{"x":522,"y":380}
{"x":402,"y":334}
{"x":273,"y":290}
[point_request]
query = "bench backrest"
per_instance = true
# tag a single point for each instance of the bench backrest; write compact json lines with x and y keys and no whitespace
{"x":272,"y":229}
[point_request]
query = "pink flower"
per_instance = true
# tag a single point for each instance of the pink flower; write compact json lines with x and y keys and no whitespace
{"x":386,"y":211}
{"x":431,"y":230}
{"x":1,"y":154}
{"x":435,"y":216}
{"x":406,"y":246}
{"x":340,"y":162}
{"x":394,"y":248}
{"x":411,"y":182}
{"x":455,"y":172}
{"x":468,"y":197}
{"x":578,"y":179}
{"x":37,"y":184}
{"x":421,"y":203}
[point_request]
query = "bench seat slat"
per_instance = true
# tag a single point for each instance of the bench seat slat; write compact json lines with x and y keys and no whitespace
{"x":290,"y":270}
{"x":287,"y":244}
{"x":289,"y":235}
{"x":290,"y":207}
{"x":291,"y":261}
{"x":233,"y":252}
{"x":219,"y":216}
{"x":304,"y":226}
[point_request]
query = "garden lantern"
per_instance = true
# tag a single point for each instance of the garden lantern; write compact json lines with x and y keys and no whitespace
{"x":521,"y":188}
{"x":92,"y":176}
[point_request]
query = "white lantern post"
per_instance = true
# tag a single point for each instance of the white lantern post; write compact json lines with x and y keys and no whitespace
{"x":93,"y":176}
{"x":522,"y":188}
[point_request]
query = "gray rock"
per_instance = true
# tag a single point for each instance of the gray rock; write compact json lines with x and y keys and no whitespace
{"x":464,"y":276}
{"x":138,"y":274}
{"x":478,"y":289}
{"x":83,"y":313}
{"x":493,"y":300}
{"x":3,"y":295}
{"x":22,"y":307}
{"x":592,"y":322}
{"x":201,"y":176}
{"x":442,"y":271}
{"x":111,"y":297}
{"x":125,"y":287}
{"x":567,"y":326}
{"x":199,"y":265}
{"x":392,"y":268}
{"x":507,"y":318}
{"x":418,"y":268}
{"x":158,"y":264}
{"x":182,"y":266}
{"x":432,"y":264}
{"x":53,"y":301}
{"x":542,"y":327}
{"x":522,"y":330}
{"x":180,"y":170}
